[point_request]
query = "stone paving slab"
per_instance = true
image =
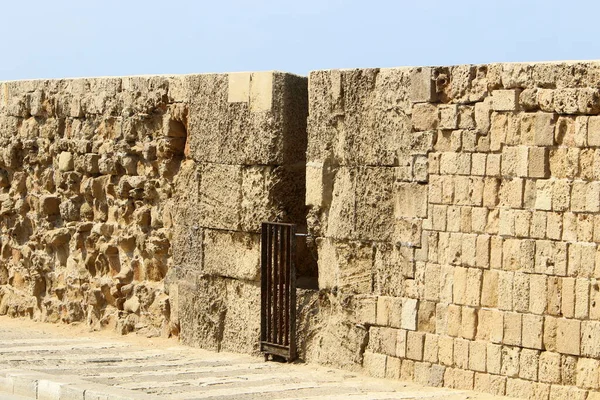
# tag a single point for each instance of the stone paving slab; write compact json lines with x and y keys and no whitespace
{"x":50,"y":362}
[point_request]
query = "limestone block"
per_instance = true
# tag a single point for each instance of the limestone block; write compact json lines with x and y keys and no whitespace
{"x":478,"y":164}
{"x":431,"y":348}
{"x":538,"y":166}
{"x":493,"y":358}
{"x":411,"y":200}
{"x":477,"y":356}
{"x":510,"y":361}
{"x":492,"y":384}
{"x":436,"y":378}
{"x":269,"y":194}
{"x":218,"y":313}
{"x":538,"y":294}
{"x":587,"y":373}
{"x":220,"y":196}
{"x":463,"y":380}
{"x":565,"y":101}
{"x":415,"y":342}
{"x":581,"y":259}
{"x":446,"y":350}
{"x":511,"y":193}
{"x":549,"y":367}
{"x":568,"y":336}
{"x":409,"y":314}
{"x":590,"y":339}
{"x":568,"y":370}
{"x":65,"y":161}
{"x":374,"y":203}
{"x":505,"y":100}
{"x":432,"y":282}
{"x":391,"y":265}
{"x":346,"y":265}
{"x":407,"y":370}
{"x":529,"y":360}
{"x":448,"y":116}
{"x":422,"y":86}
{"x":382,"y":340}
{"x":564,"y":162}
{"x":392,"y":368}
{"x":50,"y":205}
{"x":593,"y":131}
{"x":239,"y":87}
{"x":87,"y":163}
{"x":375,"y":364}
{"x":401,"y":343}
{"x":461,"y":353}
{"x":532,"y":331}
{"x":466,"y":120}
{"x":340,"y":223}
{"x":505,"y":290}
{"x":482,"y":116}
{"x":231,"y":254}
{"x":425,"y":117}
{"x":317,"y":184}
{"x":367,"y":310}
{"x":544,"y":129}
{"x":512,"y":329}
{"x":561,"y":189}
{"x":454,"y":320}
{"x":567,"y":392}
{"x":426,"y":318}
{"x":550,"y":257}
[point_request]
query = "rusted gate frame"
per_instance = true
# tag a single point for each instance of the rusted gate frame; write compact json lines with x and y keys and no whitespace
{"x":278,"y":290}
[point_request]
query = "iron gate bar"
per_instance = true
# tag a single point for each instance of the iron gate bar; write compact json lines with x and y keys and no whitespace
{"x":278,"y":290}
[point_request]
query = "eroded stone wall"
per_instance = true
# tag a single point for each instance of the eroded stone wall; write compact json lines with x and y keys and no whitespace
{"x":113,"y":189}
{"x":454,"y":212}
{"x":456,"y":216}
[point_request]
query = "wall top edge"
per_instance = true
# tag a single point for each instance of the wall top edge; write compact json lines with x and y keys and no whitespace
{"x":526,"y":63}
{"x":141,"y":76}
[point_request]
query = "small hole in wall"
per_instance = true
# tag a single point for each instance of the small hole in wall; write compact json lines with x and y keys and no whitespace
{"x":307,"y":275}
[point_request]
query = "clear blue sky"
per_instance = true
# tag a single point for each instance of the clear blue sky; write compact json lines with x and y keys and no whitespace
{"x":51,"y":39}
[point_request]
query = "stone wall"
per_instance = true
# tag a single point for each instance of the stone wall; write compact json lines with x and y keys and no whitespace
{"x":456,"y":217}
{"x":112,"y":189}
{"x":454,"y":213}
{"x":246,"y":166}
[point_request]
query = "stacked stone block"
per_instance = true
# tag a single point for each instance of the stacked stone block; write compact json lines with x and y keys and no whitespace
{"x":457,"y":208}
{"x":245,"y":165}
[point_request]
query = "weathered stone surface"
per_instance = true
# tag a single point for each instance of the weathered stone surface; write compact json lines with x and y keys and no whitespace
{"x":111,"y":187}
{"x":219,"y":314}
{"x":242,"y":125}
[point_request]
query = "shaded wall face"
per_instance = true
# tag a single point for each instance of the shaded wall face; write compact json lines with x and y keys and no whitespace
{"x":115,"y":189}
{"x":455,"y":211}
{"x":246,"y":165}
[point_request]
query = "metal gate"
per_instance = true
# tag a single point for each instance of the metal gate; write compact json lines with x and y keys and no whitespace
{"x":278,"y":290}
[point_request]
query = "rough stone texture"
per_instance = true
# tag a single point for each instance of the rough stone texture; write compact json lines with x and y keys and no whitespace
{"x":484,"y":178}
{"x":114,"y":189}
{"x":452,"y":210}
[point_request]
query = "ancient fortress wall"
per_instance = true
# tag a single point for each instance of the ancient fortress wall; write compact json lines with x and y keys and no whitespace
{"x":114,"y":189}
{"x":454,"y":213}
{"x":457,"y":210}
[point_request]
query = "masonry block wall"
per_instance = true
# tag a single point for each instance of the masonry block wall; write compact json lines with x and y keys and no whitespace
{"x":246,"y":166}
{"x":113,"y":190}
{"x":454,"y":212}
{"x":456,"y":216}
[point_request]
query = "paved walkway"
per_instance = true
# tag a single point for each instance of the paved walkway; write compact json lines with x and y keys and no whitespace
{"x":58,"y":362}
